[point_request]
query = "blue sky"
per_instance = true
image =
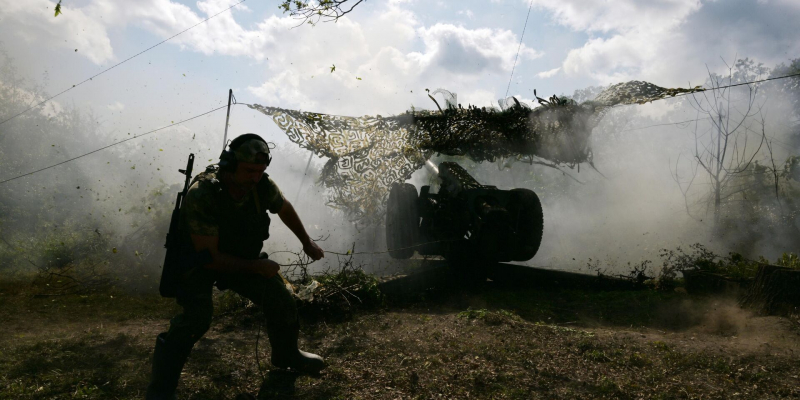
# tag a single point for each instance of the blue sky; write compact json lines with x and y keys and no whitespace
{"x":397,"y":47}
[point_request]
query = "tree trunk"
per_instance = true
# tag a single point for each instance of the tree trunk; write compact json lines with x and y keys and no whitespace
{"x":775,"y":291}
{"x":718,"y":231}
{"x":717,"y":185}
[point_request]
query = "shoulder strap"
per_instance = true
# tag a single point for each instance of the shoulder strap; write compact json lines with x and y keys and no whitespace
{"x":256,"y":200}
{"x":255,"y":193}
{"x":210,"y":174}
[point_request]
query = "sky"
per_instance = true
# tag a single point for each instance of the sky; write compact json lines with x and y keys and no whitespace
{"x":386,"y":53}
{"x":397,"y":48}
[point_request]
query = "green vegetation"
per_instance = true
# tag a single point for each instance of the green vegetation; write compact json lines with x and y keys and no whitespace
{"x":699,"y":258}
{"x":498,"y":342}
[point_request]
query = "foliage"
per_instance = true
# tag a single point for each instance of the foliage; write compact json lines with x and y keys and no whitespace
{"x":58,"y":9}
{"x":360,"y":285}
{"x":72,"y":217}
{"x":699,"y":258}
{"x":790,"y":87}
{"x":734,"y":170}
{"x":72,"y":261}
{"x":313,"y":12}
{"x":334,"y":293}
{"x":229,"y":302}
{"x":788,"y":260}
{"x":763,"y":204}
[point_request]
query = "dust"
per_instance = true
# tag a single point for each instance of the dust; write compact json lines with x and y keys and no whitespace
{"x":718,"y":323}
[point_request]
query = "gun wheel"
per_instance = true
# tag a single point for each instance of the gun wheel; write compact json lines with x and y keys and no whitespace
{"x":402,"y":220}
{"x":527,"y":210}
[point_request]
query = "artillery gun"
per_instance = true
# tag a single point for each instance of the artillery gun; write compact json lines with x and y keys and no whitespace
{"x":464,"y":220}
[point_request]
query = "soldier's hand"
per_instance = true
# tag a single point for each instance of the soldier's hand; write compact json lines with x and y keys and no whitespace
{"x":268,"y":268}
{"x":313,"y":251}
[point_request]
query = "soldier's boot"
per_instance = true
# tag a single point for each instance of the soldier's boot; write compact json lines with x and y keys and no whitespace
{"x":168,"y":361}
{"x":286,"y":354}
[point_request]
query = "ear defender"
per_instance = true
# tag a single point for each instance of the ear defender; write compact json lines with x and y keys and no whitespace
{"x":227,"y":159}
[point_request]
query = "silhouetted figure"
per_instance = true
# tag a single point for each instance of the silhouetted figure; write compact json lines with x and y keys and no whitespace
{"x":225,"y":213}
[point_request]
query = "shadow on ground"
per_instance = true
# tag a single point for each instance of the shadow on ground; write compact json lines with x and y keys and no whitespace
{"x":549,"y":296}
{"x":86,"y":366}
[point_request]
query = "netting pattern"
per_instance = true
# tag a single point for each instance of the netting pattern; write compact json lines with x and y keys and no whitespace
{"x":367,"y":154}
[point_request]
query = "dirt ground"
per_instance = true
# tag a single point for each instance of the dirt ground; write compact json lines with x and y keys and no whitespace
{"x":486,"y":342}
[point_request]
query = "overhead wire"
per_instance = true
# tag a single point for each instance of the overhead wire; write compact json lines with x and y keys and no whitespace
{"x":714,"y":88}
{"x":732,"y":85}
{"x":663,"y":124}
{"x":219,"y":108}
{"x":757,"y":81}
{"x":118,"y":64}
{"x":111,"y":145}
{"x":518,"y":48}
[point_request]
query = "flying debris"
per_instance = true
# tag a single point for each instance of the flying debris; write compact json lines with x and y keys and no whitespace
{"x":368,"y":154}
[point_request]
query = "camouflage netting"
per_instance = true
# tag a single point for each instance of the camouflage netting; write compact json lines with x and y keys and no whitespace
{"x":367,"y":154}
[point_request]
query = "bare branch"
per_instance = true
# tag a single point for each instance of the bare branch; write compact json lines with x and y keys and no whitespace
{"x":314,"y":12}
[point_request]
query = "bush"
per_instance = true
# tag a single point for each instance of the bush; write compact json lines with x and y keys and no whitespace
{"x":699,"y":258}
{"x":334,"y":294}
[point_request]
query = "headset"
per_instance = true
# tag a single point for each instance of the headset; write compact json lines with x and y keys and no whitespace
{"x":227,"y":160}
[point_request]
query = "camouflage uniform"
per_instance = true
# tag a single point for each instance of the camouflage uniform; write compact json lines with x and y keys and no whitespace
{"x":241,"y":226}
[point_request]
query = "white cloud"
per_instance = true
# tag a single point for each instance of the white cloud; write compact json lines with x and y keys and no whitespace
{"x":619,"y":15}
{"x":671,"y":41}
{"x":618,"y":58}
{"x":470,"y":51}
{"x":391,"y":51}
{"x":284,"y":89}
{"x":221,"y":35}
{"x":637,"y":38}
{"x":548,"y":74}
{"x":392,"y":76}
{"x":34,"y":22}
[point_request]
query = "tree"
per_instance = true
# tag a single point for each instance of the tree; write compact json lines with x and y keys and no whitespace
{"x":790,"y":89}
{"x":319,"y":11}
{"x":734,"y":175}
{"x":724,"y":148}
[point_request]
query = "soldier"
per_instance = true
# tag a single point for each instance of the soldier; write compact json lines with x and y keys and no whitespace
{"x":225,"y":213}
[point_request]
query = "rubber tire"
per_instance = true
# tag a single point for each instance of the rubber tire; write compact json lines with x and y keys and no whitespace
{"x":402,"y":220}
{"x":530,"y":223}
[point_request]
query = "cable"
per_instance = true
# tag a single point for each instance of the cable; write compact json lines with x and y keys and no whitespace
{"x":111,"y":145}
{"x":720,"y":87}
{"x":219,"y":108}
{"x":664,"y":124}
{"x":119,"y":63}
{"x":758,"y":81}
{"x":365,"y":252}
{"x":734,"y":85}
{"x":387,"y":251}
{"x":518,"y":48}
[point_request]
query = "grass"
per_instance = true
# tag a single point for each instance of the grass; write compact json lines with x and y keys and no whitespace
{"x":490,"y":342}
{"x":92,"y":366}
